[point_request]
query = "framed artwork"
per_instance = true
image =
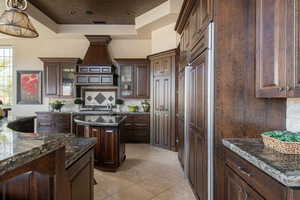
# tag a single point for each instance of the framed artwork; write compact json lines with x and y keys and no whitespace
{"x":29,"y":87}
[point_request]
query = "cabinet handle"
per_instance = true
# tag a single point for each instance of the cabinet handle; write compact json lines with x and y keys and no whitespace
{"x":109,"y":131}
{"x":244,"y":172}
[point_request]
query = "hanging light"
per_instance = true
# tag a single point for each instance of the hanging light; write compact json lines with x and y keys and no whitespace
{"x":15,"y":22}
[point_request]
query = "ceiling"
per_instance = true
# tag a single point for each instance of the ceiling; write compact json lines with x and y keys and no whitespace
{"x":95,"y":11}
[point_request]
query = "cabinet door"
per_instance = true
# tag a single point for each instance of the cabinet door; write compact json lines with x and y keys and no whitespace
{"x":270,"y":48}
{"x":166,"y":64}
{"x":156,"y":67}
{"x":293,"y":49}
{"x":109,"y":149}
{"x":192,"y":158}
{"x":180,"y":129}
{"x":127,"y":80}
{"x":95,"y":133}
{"x":52,"y":79}
{"x":67,"y":84}
{"x":165,"y":112}
{"x":156,"y":110}
{"x":142,"y":79}
{"x":237,"y":188}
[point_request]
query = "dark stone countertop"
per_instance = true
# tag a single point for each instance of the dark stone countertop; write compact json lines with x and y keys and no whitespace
{"x":282,"y":167}
{"x":100,"y":120}
{"x":17,"y":148}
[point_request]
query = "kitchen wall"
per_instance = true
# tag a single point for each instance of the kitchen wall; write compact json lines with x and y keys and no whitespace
{"x":164,"y":39}
{"x":293,"y":115}
{"x":27,"y":52}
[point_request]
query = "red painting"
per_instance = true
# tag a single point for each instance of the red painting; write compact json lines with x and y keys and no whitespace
{"x":29,"y":88}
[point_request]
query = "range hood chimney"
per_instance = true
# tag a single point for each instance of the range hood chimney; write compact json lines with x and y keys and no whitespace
{"x":97,"y":53}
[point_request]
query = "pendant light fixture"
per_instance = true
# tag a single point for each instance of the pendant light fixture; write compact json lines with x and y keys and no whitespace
{"x":15,"y":22}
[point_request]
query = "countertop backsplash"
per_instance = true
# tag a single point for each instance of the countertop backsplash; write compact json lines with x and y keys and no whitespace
{"x":293,"y":115}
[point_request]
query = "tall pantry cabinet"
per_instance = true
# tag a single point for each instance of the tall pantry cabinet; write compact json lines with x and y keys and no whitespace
{"x":163,"y":93}
{"x":236,"y":111}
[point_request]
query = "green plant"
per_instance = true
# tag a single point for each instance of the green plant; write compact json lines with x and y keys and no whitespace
{"x":285,"y":136}
{"x":57,"y":105}
{"x":119,"y":101}
{"x":78,"y":101}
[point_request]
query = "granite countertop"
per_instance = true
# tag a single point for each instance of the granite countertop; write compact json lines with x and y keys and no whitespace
{"x":19,"y":148}
{"x":100,"y":120}
{"x":282,"y":167}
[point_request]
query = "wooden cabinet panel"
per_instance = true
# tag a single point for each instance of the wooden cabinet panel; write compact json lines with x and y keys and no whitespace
{"x":109,"y":150}
{"x":59,"y":75}
{"x":142,"y":81}
{"x":192,"y":158}
{"x":181,"y":146}
{"x":80,"y":178}
{"x":134,"y":78}
{"x":237,"y":189}
{"x":52,"y":76}
{"x":164,"y":89}
{"x":137,"y":128}
{"x":50,"y":122}
{"x":206,"y":13}
{"x":270,"y":48}
{"x":198,"y":154}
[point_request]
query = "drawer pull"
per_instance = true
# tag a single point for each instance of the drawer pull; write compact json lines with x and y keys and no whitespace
{"x":244,"y":172}
{"x":109,"y":131}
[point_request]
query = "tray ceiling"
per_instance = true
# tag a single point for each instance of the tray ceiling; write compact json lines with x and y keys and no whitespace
{"x":95,"y":11}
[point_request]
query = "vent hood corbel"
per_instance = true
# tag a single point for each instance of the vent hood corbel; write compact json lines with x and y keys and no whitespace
{"x":97,"y":53}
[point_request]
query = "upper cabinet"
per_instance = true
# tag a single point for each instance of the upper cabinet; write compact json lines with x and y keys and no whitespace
{"x":134,"y":80}
{"x":277,"y":49}
{"x":192,"y":24}
{"x":59,"y":76}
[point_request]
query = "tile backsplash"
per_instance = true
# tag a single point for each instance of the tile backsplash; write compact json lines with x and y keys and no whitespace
{"x":293,"y":115}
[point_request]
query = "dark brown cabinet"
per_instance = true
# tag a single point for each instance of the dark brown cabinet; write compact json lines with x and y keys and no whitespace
{"x":134,"y":78}
{"x":237,"y":189}
{"x":277,"y":46}
{"x":53,"y":122}
{"x":198,"y":138}
{"x":163,"y":66}
{"x":137,"y":128}
{"x":59,"y":76}
{"x":110,"y":147}
{"x":245,"y":181}
{"x":80,"y":178}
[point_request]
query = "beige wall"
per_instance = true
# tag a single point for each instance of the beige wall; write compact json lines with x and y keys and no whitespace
{"x":27,"y":52}
{"x":164,"y":39}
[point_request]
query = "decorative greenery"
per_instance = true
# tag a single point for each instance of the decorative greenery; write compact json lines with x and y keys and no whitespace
{"x":285,"y":136}
{"x":78,"y":101}
{"x":57,"y":105}
{"x":119,"y":101}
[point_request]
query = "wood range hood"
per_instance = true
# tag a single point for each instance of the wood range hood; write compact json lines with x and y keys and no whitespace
{"x":97,"y":53}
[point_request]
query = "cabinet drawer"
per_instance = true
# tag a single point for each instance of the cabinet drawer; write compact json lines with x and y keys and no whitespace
{"x":261,"y":182}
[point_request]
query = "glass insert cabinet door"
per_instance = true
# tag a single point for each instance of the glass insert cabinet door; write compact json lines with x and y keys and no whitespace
{"x":68,"y":79}
{"x":127,"y":80}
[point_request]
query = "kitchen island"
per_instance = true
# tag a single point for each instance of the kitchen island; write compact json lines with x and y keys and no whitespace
{"x":108,"y":129}
{"x":45,"y":166}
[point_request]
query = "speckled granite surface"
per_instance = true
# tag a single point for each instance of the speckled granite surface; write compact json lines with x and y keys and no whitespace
{"x":17,"y":149}
{"x":100,"y":120}
{"x":282,"y":167}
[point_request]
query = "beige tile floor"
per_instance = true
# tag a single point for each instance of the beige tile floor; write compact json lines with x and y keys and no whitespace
{"x":149,"y":173}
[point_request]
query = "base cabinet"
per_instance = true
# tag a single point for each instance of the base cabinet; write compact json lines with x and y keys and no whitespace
{"x":245,"y":181}
{"x":238,"y":189}
{"x":80,"y":178}
{"x":110,"y":147}
{"x":137,"y":128}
